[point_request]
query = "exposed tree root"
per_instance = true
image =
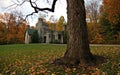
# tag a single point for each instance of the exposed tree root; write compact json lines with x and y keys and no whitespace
{"x":96,"y":61}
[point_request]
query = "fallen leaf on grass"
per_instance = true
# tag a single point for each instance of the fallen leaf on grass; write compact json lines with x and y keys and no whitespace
{"x":13,"y":73}
{"x":53,"y":74}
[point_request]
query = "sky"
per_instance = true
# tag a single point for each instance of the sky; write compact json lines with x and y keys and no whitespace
{"x":60,"y":9}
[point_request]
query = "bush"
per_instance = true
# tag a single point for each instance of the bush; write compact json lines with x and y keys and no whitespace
{"x":35,"y":37}
{"x":55,"y":42}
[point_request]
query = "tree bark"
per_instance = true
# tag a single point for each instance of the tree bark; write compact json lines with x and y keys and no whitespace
{"x":78,"y":50}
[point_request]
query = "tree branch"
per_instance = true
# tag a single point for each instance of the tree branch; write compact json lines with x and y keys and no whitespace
{"x":42,"y":9}
{"x":16,"y":4}
{"x":37,"y":9}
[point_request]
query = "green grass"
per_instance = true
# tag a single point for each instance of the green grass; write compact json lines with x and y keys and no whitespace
{"x":36,"y":59}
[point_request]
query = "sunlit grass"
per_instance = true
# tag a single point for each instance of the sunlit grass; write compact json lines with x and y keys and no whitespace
{"x":36,"y":59}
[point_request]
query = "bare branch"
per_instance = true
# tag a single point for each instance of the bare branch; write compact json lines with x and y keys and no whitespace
{"x":29,"y":15}
{"x":37,"y":9}
{"x":16,"y":4}
{"x":21,"y":3}
{"x":42,"y":9}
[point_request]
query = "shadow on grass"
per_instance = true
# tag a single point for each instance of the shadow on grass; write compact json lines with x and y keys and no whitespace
{"x":97,"y":61}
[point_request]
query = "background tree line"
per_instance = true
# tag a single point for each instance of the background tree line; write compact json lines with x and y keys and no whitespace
{"x":103,"y":21}
{"x":12,"y":28}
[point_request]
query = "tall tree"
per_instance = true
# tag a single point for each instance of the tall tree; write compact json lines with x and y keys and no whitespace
{"x":53,"y":22}
{"x":110,"y":20}
{"x":92,"y":10}
{"x":78,"y":50}
{"x":112,"y":8}
{"x":78,"y":45}
{"x":60,"y":23}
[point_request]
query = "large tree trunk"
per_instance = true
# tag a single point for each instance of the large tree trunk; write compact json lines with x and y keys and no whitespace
{"x":78,"y":50}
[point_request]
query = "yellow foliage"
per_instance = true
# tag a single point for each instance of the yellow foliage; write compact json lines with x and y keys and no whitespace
{"x":112,"y":8}
{"x":94,"y":33}
{"x":12,"y":30}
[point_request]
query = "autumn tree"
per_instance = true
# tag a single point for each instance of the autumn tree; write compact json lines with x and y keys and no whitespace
{"x":51,"y":25}
{"x":112,"y":7}
{"x":53,"y":21}
{"x":14,"y":28}
{"x":60,"y":24}
{"x":94,"y":33}
{"x":78,"y":50}
{"x":7,"y":19}
{"x":110,"y":20}
{"x":92,"y":10}
{"x":2,"y":33}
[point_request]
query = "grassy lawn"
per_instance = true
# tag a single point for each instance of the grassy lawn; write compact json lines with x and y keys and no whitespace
{"x":36,"y":59}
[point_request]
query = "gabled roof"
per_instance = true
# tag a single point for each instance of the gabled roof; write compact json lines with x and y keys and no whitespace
{"x":31,"y":31}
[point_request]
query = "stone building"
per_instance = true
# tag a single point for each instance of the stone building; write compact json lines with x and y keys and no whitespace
{"x":45,"y":34}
